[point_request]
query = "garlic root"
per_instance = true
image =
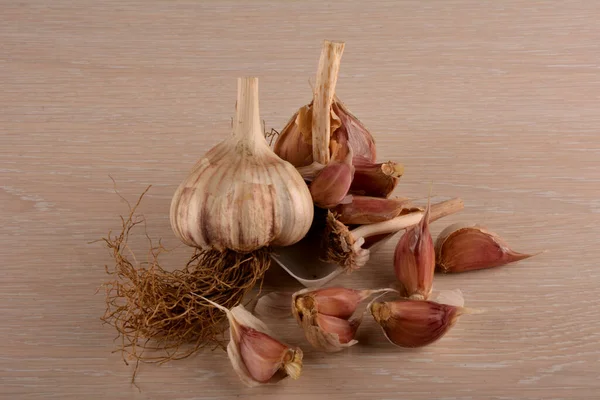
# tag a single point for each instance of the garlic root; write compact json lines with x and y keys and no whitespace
{"x":152,"y":308}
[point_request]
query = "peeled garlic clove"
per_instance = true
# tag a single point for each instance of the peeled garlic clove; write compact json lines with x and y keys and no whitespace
{"x":414,"y":260}
{"x":377,"y":180}
{"x":368,"y":210}
{"x":415,"y":323}
{"x":462,"y":247}
{"x":256,"y":356}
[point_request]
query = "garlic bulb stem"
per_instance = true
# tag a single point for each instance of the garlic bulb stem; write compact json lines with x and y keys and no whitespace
{"x":438,"y":211}
{"x":327,"y":74}
{"x":247,"y":128}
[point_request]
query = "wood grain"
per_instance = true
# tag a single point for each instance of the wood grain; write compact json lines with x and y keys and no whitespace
{"x":495,"y":102}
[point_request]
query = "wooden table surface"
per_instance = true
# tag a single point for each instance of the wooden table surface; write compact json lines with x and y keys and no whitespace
{"x":495,"y":102}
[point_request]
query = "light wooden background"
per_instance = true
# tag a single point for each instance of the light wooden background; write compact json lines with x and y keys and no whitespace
{"x":494,"y":101}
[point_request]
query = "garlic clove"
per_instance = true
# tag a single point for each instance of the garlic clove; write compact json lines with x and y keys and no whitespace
{"x":325,"y":315}
{"x":344,"y":329}
{"x":256,"y":356}
{"x":335,"y":301}
{"x":320,"y":339}
{"x":414,"y":260}
{"x":368,"y":210}
{"x":415,"y":323}
{"x":330,"y":186}
{"x":375,"y":179}
{"x":465,"y":247}
{"x":262,"y":355}
{"x":346,"y":248}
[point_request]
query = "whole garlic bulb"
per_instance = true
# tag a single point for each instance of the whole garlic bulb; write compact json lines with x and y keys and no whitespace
{"x":241,"y":195}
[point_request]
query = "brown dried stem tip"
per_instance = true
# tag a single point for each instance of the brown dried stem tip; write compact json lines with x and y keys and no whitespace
{"x":327,"y":74}
{"x":375,"y":179}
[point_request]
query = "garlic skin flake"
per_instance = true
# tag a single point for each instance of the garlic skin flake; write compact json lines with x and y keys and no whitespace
{"x":465,"y":247}
{"x":256,"y":356}
{"x":241,"y":196}
{"x":274,"y":305}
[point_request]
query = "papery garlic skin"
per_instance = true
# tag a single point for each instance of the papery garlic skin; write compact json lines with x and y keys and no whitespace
{"x":294,"y":143}
{"x":240,"y":195}
{"x":360,"y":139}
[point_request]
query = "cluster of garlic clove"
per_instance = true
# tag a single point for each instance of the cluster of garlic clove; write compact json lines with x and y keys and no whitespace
{"x":336,"y":154}
{"x":329,"y":316}
{"x":460,"y":247}
{"x":326,"y":134}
